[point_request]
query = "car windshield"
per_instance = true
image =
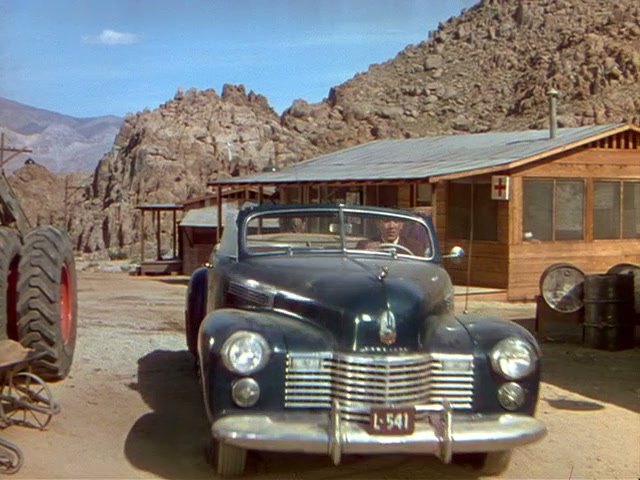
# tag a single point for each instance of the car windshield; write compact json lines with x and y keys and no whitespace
{"x":293,"y":231}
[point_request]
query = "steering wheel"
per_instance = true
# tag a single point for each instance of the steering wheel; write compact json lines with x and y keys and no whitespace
{"x":397,"y":246}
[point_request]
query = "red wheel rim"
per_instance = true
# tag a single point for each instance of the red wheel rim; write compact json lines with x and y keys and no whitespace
{"x":12,"y":302}
{"x":66,"y":307}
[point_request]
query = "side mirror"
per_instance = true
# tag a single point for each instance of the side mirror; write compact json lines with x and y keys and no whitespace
{"x":456,"y":253}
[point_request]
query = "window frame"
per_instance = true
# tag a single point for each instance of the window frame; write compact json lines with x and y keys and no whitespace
{"x":622,"y":185}
{"x":554,"y":208}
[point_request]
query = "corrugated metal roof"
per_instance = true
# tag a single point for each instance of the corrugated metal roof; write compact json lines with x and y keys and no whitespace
{"x":207,"y":216}
{"x":427,"y":157}
{"x":200,"y":217}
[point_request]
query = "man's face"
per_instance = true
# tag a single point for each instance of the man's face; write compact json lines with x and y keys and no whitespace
{"x":389,"y":229}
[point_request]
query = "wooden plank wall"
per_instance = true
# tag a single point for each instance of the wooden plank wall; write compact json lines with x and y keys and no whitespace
{"x":488,"y":264}
{"x":609,"y":160}
{"x":195,"y":256}
{"x":601,"y":163}
{"x":528,"y":261}
{"x":439,"y":212}
{"x":196,"y":244}
{"x":404,"y":196}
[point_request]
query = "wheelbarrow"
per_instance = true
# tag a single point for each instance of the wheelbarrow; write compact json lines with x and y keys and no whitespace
{"x":25,"y":399}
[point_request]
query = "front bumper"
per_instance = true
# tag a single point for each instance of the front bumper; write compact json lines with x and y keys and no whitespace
{"x":321,"y":433}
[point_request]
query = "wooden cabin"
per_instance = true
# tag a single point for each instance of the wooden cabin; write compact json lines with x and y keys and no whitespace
{"x":517,"y":202}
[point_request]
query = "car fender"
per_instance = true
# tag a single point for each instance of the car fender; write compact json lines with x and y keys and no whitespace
{"x":283,"y":333}
{"x":195,"y":306}
{"x":485,"y":333}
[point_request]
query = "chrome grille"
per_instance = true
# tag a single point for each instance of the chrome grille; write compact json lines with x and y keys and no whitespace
{"x":250,"y":295}
{"x":358,"y":382}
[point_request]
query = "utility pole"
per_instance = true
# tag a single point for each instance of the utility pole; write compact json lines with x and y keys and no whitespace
{"x":15,"y":152}
{"x":10,"y":209}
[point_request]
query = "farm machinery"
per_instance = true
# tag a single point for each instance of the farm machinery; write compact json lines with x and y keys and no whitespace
{"x":38,"y":317}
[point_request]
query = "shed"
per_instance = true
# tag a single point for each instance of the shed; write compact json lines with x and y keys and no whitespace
{"x":160,"y":264}
{"x":198,"y":234}
{"x":515,"y":201}
{"x":198,"y":229}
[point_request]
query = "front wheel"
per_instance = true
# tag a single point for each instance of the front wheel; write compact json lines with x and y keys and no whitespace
{"x":486,"y":463}
{"x":229,"y":461}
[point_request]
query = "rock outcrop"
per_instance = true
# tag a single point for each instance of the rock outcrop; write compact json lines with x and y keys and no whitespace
{"x":169,"y":154}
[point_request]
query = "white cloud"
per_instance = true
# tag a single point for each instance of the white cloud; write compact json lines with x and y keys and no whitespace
{"x":111,"y":37}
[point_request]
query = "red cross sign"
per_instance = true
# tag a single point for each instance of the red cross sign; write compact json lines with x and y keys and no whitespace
{"x":499,"y":187}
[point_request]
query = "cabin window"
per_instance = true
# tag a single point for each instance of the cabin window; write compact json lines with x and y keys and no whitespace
{"x":460,"y":206}
{"x":424,"y":195}
{"x":630,"y":209}
{"x":616,"y":210}
{"x":553,"y":210}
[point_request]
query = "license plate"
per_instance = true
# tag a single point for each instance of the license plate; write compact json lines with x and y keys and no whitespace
{"x":392,"y":421}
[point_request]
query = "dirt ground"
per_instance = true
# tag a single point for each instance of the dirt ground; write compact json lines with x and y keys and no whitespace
{"x":132,"y":408}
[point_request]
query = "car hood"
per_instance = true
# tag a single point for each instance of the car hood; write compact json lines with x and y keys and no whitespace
{"x":368,"y":303}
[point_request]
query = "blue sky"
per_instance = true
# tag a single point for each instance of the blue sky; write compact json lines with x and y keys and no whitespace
{"x":101,"y":57}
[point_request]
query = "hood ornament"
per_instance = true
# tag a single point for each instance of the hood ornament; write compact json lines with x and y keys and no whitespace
{"x":384,"y":271}
{"x":388,"y":334}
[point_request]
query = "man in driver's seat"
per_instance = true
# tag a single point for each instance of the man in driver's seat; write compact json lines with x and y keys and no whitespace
{"x":392,"y":231}
{"x":389,"y":230}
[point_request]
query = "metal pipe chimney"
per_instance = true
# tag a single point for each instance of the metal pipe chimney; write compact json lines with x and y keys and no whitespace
{"x":552,"y":93}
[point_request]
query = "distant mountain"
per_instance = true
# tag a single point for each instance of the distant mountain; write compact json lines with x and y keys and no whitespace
{"x":61,"y":143}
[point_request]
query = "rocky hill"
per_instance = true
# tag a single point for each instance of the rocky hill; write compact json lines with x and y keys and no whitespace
{"x":485,"y":70}
{"x":488,"y":70}
{"x":61,"y":143}
{"x":47,"y":198}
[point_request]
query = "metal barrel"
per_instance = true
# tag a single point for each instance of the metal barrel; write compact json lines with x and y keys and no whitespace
{"x":636,"y":294}
{"x":609,"y":317}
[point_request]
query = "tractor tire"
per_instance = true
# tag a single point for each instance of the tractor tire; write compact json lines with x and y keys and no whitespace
{"x":48,"y":300}
{"x":10,"y":244}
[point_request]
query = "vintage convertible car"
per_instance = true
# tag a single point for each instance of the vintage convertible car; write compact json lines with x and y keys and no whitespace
{"x":323,"y":329}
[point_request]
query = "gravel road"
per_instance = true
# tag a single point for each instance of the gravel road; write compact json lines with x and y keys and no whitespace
{"x":132,"y":408}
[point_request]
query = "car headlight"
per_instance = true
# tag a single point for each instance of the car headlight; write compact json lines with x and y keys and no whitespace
{"x":511,"y":396}
{"x":245,"y":352}
{"x":513,"y":358}
{"x":245,"y":392}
